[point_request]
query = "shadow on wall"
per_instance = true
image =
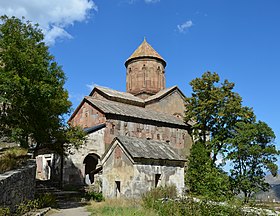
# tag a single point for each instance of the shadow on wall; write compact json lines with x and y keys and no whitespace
{"x":92,"y":167}
{"x":84,"y":174}
{"x":72,"y":175}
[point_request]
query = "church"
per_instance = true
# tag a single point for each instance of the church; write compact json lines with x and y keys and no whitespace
{"x":136,"y":140}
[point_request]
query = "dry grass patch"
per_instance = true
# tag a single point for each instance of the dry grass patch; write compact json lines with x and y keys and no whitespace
{"x":12,"y":158}
{"x":116,"y":207}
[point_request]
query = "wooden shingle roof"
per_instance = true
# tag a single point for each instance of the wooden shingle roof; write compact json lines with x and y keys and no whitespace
{"x":126,"y":110}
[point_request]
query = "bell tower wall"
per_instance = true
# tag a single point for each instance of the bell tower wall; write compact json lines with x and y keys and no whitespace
{"x":145,"y":77}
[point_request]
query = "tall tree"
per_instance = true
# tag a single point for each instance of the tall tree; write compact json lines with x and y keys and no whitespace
{"x":32,"y":97}
{"x":215,"y":109}
{"x":223,"y":125}
{"x":253,"y":153}
{"x":203,"y":179}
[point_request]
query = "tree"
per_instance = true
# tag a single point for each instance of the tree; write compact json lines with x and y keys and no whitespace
{"x":203,"y":179}
{"x":215,"y":109}
{"x":33,"y":100}
{"x":252,"y":152}
{"x":221,"y":125}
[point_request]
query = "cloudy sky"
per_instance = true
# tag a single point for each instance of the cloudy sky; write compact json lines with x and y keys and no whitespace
{"x":240,"y":40}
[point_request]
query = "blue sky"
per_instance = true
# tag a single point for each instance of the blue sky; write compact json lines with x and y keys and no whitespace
{"x":240,"y":40}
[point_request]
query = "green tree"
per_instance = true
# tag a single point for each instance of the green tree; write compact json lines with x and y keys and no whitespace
{"x":33,"y":100}
{"x":252,"y":152}
{"x":203,"y":179}
{"x":221,"y":125}
{"x":215,"y":109}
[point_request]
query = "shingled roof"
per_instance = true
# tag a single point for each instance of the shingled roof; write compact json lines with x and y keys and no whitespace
{"x":120,"y":109}
{"x":145,"y":50}
{"x":163,"y":93}
{"x":117,"y":95}
{"x":127,"y":97}
{"x":149,"y":149}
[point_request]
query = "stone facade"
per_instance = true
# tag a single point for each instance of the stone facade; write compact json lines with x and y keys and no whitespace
{"x":75,"y":163}
{"x":173,"y":103}
{"x":126,"y":176}
{"x":87,"y":116}
{"x":149,"y":111}
{"x":145,"y":77}
{"x":18,"y":185}
{"x":178,"y":138}
{"x":145,"y":74}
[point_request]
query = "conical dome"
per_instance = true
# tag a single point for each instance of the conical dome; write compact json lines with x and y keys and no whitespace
{"x":145,"y":71}
{"x":145,"y":50}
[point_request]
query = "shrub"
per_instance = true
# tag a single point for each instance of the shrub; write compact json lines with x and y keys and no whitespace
{"x":95,"y":196}
{"x":27,"y":206}
{"x":164,"y":201}
{"x":189,"y":207}
{"x":4,"y":211}
{"x":151,"y":197}
{"x":46,"y":200}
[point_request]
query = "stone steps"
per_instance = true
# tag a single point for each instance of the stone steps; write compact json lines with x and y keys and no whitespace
{"x":63,"y":197}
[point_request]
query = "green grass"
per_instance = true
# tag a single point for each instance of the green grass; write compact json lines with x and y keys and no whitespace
{"x":119,"y":207}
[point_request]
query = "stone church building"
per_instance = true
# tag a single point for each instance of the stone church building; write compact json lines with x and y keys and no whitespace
{"x":136,"y":140}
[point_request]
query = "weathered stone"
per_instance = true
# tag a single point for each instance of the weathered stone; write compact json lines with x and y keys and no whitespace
{"x":147,"y":110}
{"x":137,"y":165}
{"x":18,"y":185}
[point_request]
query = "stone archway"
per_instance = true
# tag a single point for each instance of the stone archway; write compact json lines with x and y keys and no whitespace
{"x":91,"y":163}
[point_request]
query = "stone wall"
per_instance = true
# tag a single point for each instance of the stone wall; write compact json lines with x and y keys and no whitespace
{"x":123,"y":177}
{"x":173,"y":104}
{"x":87,"y":117}
{"x":18,"y":185}
{"x":145,"y":76}
{"x":178,"y":138}
{"x":74,"y":165}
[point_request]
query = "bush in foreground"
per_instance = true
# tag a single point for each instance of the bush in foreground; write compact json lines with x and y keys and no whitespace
{"x":163,"y":200}
{"x":45,"y":200}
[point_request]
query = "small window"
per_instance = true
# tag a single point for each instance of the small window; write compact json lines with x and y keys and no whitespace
{"x":112,"y":129}
{"x":157,"y":178}
{"x":118,"y":188}
{"x":158,"y":136}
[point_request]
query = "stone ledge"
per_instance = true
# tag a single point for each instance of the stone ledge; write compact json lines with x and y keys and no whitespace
{"x":38,"y":212}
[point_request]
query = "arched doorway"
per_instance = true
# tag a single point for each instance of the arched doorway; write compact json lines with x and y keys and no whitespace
{"x":91,"y":163}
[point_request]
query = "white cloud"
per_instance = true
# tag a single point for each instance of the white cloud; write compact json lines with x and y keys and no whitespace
{"x":53,"y":16}
{"x":186,"y":25}
{"x":152,"y":1}
{"x":55,"y":33}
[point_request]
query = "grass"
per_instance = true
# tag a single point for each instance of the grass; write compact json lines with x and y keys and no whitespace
{"x":117,"y":207}
{"x":12,"y":158}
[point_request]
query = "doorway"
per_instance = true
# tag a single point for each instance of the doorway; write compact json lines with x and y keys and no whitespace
{"x":90,"y":162}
